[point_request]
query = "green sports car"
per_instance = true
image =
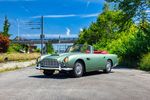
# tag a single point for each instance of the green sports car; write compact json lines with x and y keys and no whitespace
{"x":77,"y":59}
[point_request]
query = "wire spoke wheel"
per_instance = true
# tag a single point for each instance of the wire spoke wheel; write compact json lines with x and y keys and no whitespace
{"x":108,"y":66}
{"x":78,"y":69}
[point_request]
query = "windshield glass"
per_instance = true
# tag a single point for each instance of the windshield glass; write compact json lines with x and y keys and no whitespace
{"x":78,"y":48}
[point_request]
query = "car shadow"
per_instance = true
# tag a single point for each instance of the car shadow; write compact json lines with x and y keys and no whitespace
{"x":54,"y":76}
{"x":67,"y":75}
{"x":124,"y":67}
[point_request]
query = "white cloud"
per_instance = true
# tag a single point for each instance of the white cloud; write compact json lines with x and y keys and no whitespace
{"x":88,"y":3}
{"x":148,"y":11}
{"x":90,"y":15}
{"x":69,"y":15}
{"x":81,"y":29}
{"x":59,"y":16}
{"x":68,"y":32}
{"x":56,"y":16}
{"x":25,"y":9}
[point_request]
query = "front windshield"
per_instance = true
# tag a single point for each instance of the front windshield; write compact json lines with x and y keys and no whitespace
{"x":78,"y":48}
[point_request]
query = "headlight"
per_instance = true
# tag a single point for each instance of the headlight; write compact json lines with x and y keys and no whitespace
{"x":66,"y":59}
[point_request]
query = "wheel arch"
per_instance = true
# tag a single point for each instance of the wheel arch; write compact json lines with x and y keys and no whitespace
{"x":110,"y":60}
{"x":81,"y":60}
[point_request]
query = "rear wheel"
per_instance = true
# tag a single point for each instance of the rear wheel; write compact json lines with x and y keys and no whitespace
{"x":48,"y":72}
{"x":78,"y":69}
{"x":108,"y":66}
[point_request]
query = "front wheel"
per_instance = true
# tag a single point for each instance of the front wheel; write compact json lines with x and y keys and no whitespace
{"x":108,"y":67}
{"x":48,"y":72}
{"x":78,"y":69}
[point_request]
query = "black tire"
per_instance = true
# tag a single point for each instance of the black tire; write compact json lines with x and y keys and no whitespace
{"x":78,"y":69}
{"x":48,"y":72}
{"x":108,"y":67}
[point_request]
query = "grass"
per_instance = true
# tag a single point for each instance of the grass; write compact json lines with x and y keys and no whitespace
{"x":18,"y":56}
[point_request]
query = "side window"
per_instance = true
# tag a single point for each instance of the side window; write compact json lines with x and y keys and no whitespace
{"x":85,"y":48}
{"x":88,"y":48}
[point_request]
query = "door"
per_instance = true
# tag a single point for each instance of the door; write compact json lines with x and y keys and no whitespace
{"x":95,"y":61}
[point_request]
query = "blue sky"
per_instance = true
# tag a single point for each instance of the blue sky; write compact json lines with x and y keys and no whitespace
{"x":61,"y":17}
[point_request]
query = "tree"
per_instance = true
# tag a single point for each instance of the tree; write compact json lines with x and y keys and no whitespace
{"x":106,"y":7}
{"x":107,"y":27}
{"x":6,"y":27}
{"x":132,"y":8}
{"x":49,"y":48}
{"x":4,"y":43}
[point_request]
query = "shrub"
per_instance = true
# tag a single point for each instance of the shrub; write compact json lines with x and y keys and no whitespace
{"x":145,"y":62}
{"x":15,"y":47}
{"x":4,"y":43}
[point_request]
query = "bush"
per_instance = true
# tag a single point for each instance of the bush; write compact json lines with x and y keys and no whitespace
{"x":37,"y":50}
{"x":15,"y":47}
{"x":145,"y":62}
{"x":4,"y":43}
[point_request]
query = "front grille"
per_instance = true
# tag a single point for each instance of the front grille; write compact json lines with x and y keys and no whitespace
{"x":52,"y":63}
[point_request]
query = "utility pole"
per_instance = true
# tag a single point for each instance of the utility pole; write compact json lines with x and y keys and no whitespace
{"x":18,"y":28}
{"x":42,"y":34}
{"x":39,"y":26}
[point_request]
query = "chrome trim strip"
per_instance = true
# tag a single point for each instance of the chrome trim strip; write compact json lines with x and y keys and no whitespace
{"x":40,"y":68}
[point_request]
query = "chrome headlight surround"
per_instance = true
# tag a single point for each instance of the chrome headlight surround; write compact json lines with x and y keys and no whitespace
{"x":66,"y":59}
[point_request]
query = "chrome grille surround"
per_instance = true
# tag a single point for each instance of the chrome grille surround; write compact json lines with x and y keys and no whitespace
{"x":52,"y":63}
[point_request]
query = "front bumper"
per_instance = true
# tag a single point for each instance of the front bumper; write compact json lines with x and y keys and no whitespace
{"x":49,"y":68}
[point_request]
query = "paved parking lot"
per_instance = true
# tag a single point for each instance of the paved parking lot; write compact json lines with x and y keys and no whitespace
{"x":30,"y":84}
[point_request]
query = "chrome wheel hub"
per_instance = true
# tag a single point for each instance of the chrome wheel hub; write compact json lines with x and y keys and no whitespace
{"x":108,"y":66}
{"x":78,"y":69}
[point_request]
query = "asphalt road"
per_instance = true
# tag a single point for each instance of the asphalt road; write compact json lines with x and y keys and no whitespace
{"x":30,"y":84}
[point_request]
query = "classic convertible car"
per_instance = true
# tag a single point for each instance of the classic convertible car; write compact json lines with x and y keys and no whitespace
{"x":77,"y":59}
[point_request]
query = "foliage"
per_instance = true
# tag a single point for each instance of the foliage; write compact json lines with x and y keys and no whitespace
{"x":104,"y":29}
{"x":6,"y":27}
{"x":49,"y":48}
{"x":37,"y":50}
{"x":117,"y":33}
{"x":4,"y":43}
{"x":15,"y":47}
{"x":145,"y":62}
{"x":132,"y":8}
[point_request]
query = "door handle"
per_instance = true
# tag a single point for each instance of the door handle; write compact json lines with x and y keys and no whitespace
{"x":88,"y":58}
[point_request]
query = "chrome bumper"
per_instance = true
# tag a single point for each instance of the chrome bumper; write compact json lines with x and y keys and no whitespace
{"x":48,"y":68}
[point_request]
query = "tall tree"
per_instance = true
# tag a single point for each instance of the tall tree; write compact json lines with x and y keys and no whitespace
{"x":106,"y":7}
{"x":6,"y":27}
{"x":49,"y":48}
{"x":132,"y":8}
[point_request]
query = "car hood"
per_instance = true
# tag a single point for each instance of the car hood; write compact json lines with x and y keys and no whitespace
{"x":59,"y":57}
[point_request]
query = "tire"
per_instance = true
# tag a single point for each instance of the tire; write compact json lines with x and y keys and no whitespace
{"x":108,"y":67}
{"x":48,"y":72}
{"x":78,"y":69}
